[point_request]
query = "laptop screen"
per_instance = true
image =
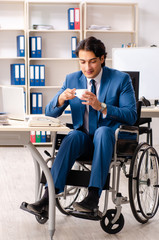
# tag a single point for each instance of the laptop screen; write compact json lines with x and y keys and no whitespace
{"x":12,"y":102}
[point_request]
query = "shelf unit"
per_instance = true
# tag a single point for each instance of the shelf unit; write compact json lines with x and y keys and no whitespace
{"x":121,"y":17}
{"x":56,"y":45}
{"x":12,"y":23}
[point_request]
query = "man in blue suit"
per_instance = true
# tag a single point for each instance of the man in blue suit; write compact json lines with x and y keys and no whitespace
{"x":108,"y":103}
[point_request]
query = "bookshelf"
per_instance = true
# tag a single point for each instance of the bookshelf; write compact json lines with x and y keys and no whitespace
{"x":12,"y":24}
{"x":56,"y":45}
{"x":120,"y":20}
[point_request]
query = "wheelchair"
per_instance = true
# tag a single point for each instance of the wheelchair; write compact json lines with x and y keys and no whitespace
{"x":139,"y":163}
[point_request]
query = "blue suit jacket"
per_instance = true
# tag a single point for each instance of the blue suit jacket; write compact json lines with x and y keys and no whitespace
{"x":116,"y":91}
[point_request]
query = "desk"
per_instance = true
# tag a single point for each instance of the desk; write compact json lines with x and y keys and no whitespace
{"x":18,"y":133}
{"x":150,"y":112}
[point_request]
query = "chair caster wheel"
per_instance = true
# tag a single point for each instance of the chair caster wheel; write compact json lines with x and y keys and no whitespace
{"x":108,"y":226}
{"x":41,"y":220}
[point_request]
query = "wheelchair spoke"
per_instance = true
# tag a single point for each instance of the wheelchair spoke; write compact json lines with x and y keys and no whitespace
{"x":147,"y":178}
{"x":134,"y":189}
{"x":65,"y":200}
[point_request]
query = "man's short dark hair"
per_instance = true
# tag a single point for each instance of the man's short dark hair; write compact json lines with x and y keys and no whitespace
{"x":94,"y":45}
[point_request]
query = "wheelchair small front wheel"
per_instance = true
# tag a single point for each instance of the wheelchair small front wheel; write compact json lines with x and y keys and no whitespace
{"x":41,"y":220}
{"x":108,"y":226}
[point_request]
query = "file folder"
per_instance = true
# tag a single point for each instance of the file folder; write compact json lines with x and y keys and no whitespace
{"x":14,"y":74}
{"x":37,"y":79}
{"x":73,"y":46}
{"x":33,"y":103}
{"x":33,"y":47}
{"x":42,"y":75}
{"x":24,"y":101}
{"x":38,"y":137}
{"x":32,"y":136}
{"x":43,"y":136}
{"x":32,"y":75}
{"x":77,"y":18}
{"x":67,"y":110}
{"x":39,"y":47}
{"x":20,"y":46}
{"x":39,"y":103}
{"x":22,"y":74}
{"x":48,"y":136}
{"x":71,"y":18}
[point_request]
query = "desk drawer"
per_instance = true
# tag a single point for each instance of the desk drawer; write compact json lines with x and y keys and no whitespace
{"x":14,"y":138}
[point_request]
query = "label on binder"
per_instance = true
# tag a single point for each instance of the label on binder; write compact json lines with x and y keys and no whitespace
{"x":33,"y":103}
{"x":36,"y":75}
{"x":31,"y":71}
{"x":42,"y":75}
{"x":20,"y":46}
{"x":22,"y":74}
{"x":39,"y":103}
{"x":71,"y":18}
{"x":77,"y":18}
{"x":73,"y":46}
{"x":39,"y":46}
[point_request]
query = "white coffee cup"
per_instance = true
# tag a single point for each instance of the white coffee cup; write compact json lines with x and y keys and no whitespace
{"x":80,"y":92}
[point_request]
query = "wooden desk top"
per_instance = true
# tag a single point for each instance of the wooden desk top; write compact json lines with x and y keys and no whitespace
{"x":23,"y":126}
{"x":150,"y":111}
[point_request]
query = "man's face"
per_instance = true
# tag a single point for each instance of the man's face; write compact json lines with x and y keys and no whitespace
{"x":90,"y":64}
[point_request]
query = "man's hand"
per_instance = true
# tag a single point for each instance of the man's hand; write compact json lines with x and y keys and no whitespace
{"x":91,"y":99}
{"x":66,"y":95}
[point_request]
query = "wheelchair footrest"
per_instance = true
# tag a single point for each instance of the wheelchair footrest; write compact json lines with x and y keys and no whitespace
{"x":96,"y":216}
{"x":44,"y":213}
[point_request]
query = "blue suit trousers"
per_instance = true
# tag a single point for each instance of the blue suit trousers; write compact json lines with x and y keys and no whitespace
{"x":78,"y":143}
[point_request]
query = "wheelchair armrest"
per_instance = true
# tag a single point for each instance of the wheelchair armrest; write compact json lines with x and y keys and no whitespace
{"x":129,"y":128}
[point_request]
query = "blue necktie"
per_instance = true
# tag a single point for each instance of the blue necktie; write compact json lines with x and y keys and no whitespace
{"x":92,"y":112}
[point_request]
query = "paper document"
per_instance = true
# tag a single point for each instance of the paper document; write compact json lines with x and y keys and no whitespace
{"x":99,"y":27}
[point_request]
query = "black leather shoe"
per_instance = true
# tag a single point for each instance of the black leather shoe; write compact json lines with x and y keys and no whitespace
{"x":88,"y":205}
{"x":38,"y":206}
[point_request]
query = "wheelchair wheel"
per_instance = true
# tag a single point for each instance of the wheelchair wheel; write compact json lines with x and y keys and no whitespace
{"x":41,"y":220}
{"x":108,"y":226}
{"x":143,"y":180}
{"x":147,"y":182}
{"x":65,"y":200}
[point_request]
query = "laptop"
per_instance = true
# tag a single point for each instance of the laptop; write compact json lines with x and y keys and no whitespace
{"x":12,"y":101}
